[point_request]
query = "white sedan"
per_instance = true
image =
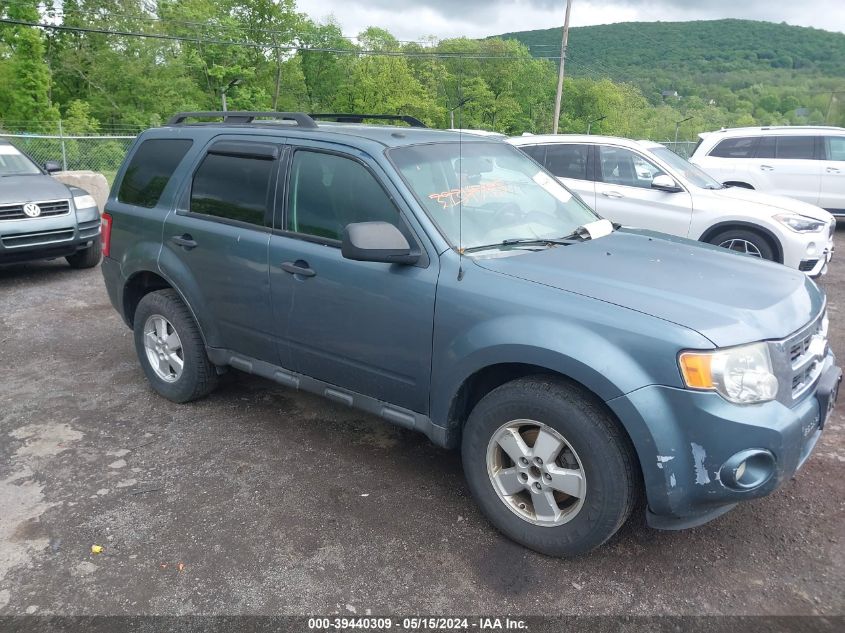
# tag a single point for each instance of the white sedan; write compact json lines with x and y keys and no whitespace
{"x":643,"y":184}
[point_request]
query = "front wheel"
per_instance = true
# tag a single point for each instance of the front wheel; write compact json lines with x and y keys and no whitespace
{"x":549,"y":467}
{"x":745,"y":242}
{"x":87,"y":257}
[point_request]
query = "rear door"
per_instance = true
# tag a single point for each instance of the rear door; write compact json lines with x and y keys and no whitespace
{"x":624,"y":193}
{"x":570,"y":163}
{"x":832,"y":195}
{"x":218,"y":239}
{"x":363,"y":326}
{"x":789,"y":166}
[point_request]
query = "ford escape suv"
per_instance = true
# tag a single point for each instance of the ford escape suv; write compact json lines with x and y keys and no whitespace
{"x":450,"y":285}
{"x":42,"y":218}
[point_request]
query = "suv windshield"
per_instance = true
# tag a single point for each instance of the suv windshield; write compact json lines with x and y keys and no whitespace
{"x":482,"y":194}
{"x":690,"y":172}
{"x":13,"y":163}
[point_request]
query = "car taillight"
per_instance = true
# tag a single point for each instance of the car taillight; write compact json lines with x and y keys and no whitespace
{"x":105,"y":234}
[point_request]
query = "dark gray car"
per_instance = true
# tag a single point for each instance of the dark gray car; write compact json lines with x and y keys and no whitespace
{"x":448,"y":284}
{"x":42,"y":218}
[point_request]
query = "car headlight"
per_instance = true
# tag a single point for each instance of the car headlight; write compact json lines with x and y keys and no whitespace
{"x":742,"y":375}
{"x":800,"y":223}
{"x":84,"y":202}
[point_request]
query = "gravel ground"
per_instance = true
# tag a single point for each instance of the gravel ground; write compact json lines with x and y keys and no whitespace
{"x":261,"y":500}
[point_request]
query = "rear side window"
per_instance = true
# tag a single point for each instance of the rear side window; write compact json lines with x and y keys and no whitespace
{"x":796,"y":147}
{"x":740,"y":147}
{"x":835,"y":146}
{"x":150,"y":170}
{"x":567,"y":161}
{"x":233,"y":187}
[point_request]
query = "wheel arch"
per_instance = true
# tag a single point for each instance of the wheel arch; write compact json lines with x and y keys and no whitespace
{"x":143,"y":282}
{"x":762,"y":231}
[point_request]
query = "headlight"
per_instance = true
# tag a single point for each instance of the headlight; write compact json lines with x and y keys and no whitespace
{"x":742,"y":375}
{"x":84,"y":202}
{"x":800,"y":223}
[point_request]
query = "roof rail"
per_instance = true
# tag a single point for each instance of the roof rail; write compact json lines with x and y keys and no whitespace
{"x":302,"y":119}
{"x":359,"y":118}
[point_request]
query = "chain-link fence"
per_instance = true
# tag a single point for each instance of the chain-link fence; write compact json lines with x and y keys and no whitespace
{"x":683,"y":149}
{"x":96,"y":153}
{"x":104,"y":154}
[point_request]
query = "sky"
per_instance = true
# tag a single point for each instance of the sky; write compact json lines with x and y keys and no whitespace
{"x":416,"y":19}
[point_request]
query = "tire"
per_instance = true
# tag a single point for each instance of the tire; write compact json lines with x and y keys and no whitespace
{"x":595,"y":448}
{"x":87,"y":257}
{"x":744,"y":239}
{"x":197,"y":376}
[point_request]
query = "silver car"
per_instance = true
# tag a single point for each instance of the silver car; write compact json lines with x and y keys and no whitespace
{"x":42,"y":218}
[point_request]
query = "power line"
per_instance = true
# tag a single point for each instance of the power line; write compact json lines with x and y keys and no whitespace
{"x":248,"y":44}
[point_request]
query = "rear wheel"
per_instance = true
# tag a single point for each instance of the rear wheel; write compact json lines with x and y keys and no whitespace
{"x":171,"y":349}
{"x":549,"y":467}
{"x":745,"y":242}
{"x":87,"y":257}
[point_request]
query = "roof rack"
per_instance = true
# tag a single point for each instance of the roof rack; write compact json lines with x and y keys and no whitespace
{"x":238,"y":117}
{"x":359,"y":118}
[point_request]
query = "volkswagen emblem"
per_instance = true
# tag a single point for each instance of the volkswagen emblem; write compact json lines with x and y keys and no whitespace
{"x":32,"y":210}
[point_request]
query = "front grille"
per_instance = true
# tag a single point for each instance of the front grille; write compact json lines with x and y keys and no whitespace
{"x":35,"y":239}
{"x":807,"y":351}
{"x":48,"y":209}
{"x":807,"y":265}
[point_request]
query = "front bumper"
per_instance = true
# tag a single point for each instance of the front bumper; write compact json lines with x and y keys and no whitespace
{"x":48,"y":237}
{"x":690,"y":436}
{"x":813,"y":253}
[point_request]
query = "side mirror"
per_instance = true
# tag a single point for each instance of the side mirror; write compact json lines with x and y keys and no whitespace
{"x":665,"y":183}
{"x":52,"y":166}
{"x":376,"y":242}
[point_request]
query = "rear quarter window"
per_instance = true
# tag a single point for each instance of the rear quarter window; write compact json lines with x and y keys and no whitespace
{"x":150,"y":169}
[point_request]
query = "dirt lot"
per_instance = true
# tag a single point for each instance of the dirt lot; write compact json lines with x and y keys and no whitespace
{"x":262,"y":500}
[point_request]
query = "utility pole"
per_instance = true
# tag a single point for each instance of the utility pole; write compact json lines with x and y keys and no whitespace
{"x":678,"y":127}
{"x":563,"y":44}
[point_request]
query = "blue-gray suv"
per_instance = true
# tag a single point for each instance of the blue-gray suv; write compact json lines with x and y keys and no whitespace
{"x":448,"y":284}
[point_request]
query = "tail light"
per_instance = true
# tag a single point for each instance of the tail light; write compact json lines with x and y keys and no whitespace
{"x":105,"y":234}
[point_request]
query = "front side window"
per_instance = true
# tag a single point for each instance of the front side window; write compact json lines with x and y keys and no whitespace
{"x":620,"y":166}
{"x":690,"y":172}
{"x":796,"y":147}
{"x":14,"y":163}
{"x":567,"y":161}
{"x":150,"y":170}
{"x":835,"y":146}
{"x":740,"y":147}
{"x":482,"y":194}
{"x":326,"y":192}
{"x":232,"y":187}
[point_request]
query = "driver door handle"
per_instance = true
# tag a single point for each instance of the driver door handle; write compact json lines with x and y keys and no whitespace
{"x":612,"y":194}
{"x":767,"y":168}
{"x":296,"y":269}
{"x":185,"y":241}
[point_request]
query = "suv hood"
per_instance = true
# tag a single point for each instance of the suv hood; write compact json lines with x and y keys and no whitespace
{"x":35,"y":188}
{"x":729,"y":298}
{"x":779,"y":204}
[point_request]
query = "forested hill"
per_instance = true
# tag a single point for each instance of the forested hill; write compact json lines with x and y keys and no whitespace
{"x":702,"y":58}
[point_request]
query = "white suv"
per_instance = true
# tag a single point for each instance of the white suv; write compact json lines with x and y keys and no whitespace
{"x":644,"y":184}
{"x":802,"y":162}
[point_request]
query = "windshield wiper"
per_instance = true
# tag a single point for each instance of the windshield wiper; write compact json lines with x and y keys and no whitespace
{"x":528,"y":241}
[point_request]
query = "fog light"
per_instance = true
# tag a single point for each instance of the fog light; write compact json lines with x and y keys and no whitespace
{"x":811,"y":248}
{"x":748,"y":469}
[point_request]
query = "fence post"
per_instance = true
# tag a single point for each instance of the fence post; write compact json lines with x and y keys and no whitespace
{"x":64,"y":151}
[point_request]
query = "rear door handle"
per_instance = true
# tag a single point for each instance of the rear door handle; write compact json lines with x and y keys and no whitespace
{"x":185,"y":241}
{"x":612,"y":194}
{"x":832,"y":170}
{"x":298,"y":268}
{"x":767,"y":168}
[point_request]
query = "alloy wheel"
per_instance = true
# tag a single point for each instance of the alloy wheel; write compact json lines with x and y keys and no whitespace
{"x":164,"y":348}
